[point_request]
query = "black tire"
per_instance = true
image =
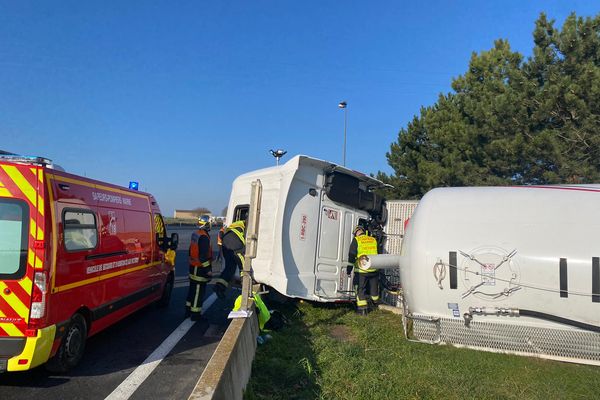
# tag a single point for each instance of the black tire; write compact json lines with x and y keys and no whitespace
{"x":72,"y":346}
{"x":165,"y":299}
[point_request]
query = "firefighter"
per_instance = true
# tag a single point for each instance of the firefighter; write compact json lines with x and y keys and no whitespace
{"x":220,"y":242}
{"x":367,"y":280}
{"x":234,"y":248}
{"x":200,"y":260}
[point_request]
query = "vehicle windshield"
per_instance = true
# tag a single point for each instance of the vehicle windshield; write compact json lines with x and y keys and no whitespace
{"x":14,"y":227}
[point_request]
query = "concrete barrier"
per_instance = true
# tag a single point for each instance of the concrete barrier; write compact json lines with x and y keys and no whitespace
{"x":229,"y":369}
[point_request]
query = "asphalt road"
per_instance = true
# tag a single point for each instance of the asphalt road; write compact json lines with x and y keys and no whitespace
{"x":113,"y":354}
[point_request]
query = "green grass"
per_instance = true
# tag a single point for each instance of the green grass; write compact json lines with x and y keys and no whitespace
{"x":329,"y":352}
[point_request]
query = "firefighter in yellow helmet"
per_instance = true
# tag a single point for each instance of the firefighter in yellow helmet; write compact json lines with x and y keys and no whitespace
{"x":234,"y":248}
{"x":200,"y":261}
{"x":367,"y":279}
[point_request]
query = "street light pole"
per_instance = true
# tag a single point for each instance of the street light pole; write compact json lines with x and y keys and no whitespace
{"x":344,"y":105}
{"x":278,"y":154}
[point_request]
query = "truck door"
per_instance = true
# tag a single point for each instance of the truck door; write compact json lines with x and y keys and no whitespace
{"x":334,"y":237}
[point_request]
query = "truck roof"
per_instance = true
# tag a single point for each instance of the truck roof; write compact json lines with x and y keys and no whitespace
{"x":329,"y":166}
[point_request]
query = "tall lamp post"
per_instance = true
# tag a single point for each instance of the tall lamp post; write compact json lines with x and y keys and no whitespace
{"x":277,"y":154}
{"x":344,"y":105}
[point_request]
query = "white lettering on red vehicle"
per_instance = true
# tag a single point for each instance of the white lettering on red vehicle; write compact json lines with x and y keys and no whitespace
{"x":111,"y":265}
{"x":111,"y":198}
{"x":10,"y":320}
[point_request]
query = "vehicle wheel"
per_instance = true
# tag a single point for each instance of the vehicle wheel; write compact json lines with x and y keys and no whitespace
{"x":71,"y":347}
{"x":166,"y":295}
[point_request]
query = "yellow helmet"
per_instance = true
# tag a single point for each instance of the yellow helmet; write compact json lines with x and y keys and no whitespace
{"x":237,"y":224}
{"x":204,"y":222}
{"x":358,"y":228}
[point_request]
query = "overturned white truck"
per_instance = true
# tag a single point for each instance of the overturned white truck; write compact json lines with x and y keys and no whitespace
{"x":508,"y":269}
{"x":309,"y":208}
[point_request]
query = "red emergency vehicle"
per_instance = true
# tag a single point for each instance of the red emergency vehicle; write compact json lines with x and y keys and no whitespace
{"x":76,"y":256}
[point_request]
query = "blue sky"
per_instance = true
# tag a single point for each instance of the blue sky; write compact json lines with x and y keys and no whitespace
{"x":184,"y":96}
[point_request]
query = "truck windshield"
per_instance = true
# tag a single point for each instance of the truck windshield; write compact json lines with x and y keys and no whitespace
{"x":14,"y":228}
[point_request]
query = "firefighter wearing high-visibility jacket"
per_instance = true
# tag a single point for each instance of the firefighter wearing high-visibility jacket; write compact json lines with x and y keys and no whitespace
{"x":367,"y":281}
{"x":200,"y":261}
{"x":234,"y":248}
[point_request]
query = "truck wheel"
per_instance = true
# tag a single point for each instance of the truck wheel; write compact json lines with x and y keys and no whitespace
{"x":166,"y":295}
{"x":71,"y":347}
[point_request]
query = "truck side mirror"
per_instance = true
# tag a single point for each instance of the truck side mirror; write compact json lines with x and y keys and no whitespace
{"x":174,"y":241}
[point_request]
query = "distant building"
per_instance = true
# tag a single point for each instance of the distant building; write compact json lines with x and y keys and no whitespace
{"x":189,"y":214}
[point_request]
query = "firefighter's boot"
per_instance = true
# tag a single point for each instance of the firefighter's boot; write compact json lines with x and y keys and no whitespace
{"x":362,"y":311}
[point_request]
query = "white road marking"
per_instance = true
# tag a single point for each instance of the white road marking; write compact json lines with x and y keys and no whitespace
{"x":139,"y":375}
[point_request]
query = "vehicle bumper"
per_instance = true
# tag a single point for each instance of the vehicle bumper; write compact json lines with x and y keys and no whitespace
{"x":36,"y":351}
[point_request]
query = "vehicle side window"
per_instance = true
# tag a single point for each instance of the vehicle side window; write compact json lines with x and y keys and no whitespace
{"x":81,"y":232}
{"x":14,"y":231}
{"x":241,"y":213}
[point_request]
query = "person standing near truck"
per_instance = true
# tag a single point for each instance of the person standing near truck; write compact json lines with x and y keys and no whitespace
{"x":200,"y":261}
{"x":234,"y":248}
{"x":220,"y":242}
{"x":367,"y":287}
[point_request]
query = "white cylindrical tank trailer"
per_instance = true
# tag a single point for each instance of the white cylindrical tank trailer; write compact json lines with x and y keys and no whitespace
{"x":507,"y":269}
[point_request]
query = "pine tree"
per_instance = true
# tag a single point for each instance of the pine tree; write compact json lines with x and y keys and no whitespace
{"x":509,"y":120}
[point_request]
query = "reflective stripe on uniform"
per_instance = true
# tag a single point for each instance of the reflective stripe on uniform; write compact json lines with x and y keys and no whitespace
{"x":238,"y":228}
{"x":205,"y":264}
{"x":198,"y":278}
{"x":221,"y":281}
{"x":361,"y":303}
{"x":195,"y":307}
{"x":375,"y":298}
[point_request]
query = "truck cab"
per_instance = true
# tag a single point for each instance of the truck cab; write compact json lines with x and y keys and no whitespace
{"x":309,"y":208}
